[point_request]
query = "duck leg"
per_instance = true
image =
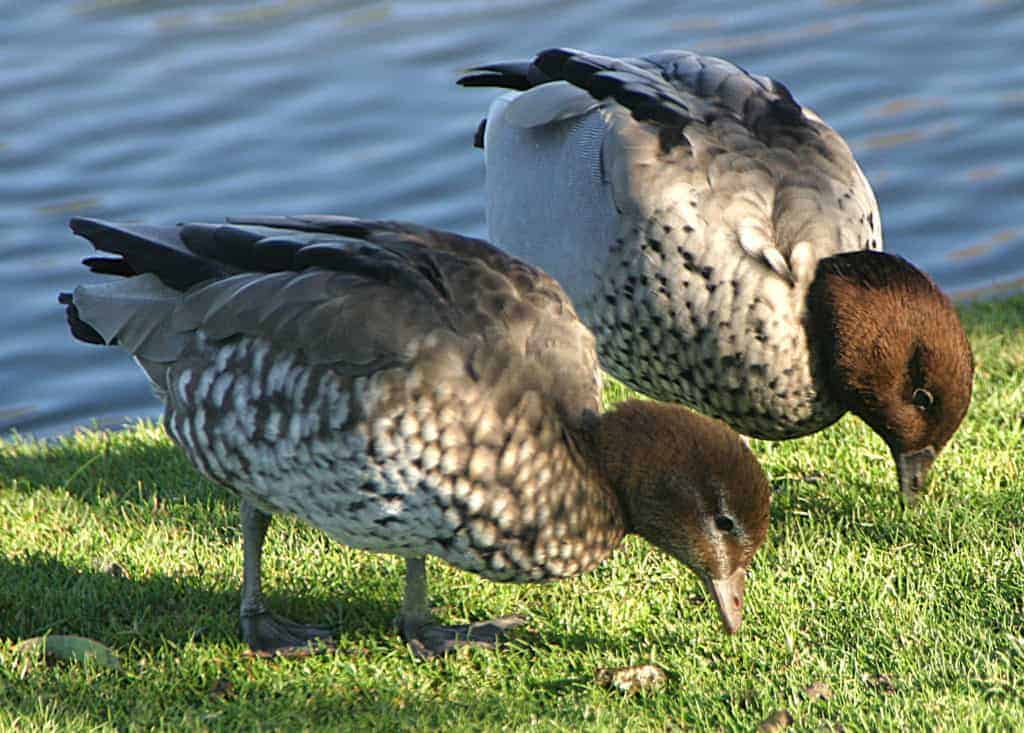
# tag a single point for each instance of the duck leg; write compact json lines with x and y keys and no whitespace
{"x":262,"y":630}
{"x":429,"y":639}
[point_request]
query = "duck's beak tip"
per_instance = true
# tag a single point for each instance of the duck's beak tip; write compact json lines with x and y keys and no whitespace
{"x":912,"y":469}
{"x":728,"y":595}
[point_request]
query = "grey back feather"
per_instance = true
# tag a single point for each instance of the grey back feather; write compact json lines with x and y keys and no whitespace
{"x":764,"y":171}
{"x":368,"y":307}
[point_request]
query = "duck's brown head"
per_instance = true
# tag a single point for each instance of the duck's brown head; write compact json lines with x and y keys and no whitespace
{"x":894,"y":353}
{"x":689,"y":486}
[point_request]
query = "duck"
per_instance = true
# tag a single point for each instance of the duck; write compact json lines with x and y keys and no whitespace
{"x":723,"y":245}
{"x":413,"y":392}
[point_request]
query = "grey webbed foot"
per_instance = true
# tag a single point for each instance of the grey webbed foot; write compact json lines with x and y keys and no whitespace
{"x":428,"y":639}
{"x":269,"y":634}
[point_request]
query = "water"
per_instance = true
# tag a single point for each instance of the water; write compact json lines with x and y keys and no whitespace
{"x":165,"y":111}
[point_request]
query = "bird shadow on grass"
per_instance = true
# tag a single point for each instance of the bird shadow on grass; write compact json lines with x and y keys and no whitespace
{"x":125,"y":464}
{"x":860,"y":511}
{"x":863,"y":514}
{"x":151,"y":623}
{"x":42,"y":595}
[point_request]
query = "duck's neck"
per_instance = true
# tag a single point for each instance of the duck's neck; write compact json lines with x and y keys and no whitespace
{"x":886,"y":331}
{"x":634,"y":446}
{"x":673,"y":471}
{"x":861,"y":309}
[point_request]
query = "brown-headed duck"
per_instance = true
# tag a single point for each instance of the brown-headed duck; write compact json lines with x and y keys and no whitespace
{"x":413,"y":392}
{"x":723,"y":245}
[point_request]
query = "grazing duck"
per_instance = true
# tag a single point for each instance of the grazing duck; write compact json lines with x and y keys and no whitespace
{"x":723,"y":245}
{"x":414,"y":392}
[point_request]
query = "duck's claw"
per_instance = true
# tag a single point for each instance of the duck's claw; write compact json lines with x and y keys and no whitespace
{"x":429,"y":640}
{"x":270,"y":635}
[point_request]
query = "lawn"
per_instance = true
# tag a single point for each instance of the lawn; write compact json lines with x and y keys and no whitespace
{"x":910,"y":619}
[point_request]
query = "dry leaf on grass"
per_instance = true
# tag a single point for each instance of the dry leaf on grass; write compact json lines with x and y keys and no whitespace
{"x":638,"y":678}
{"x":818,"y":690}
{"x":115,"y":569}
{"x":67,"y":648}
{"x":777,"y":721}
{"x":222,"y":689}
{"x":881,"y":682}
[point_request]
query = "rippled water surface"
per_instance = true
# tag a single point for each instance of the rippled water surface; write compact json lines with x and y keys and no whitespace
{"x":164,"y":111}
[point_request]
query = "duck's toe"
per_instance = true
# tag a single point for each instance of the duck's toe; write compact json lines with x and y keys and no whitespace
{"x":428,"y":639}
{"x":269,"y":634}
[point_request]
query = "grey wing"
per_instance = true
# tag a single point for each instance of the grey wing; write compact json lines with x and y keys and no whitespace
{"x":526,"y":332}
{"x":437,"y":256}
{"x":815,"y":199}
{"x":350,"y":304}
{"x":660,"y":133}
{"x":357,"y":295}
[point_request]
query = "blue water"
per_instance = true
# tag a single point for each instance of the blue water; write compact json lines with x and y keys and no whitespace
{"x":160,"y":111}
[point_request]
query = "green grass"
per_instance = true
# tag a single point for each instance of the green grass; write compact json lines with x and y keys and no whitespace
{"x":913,"y":618}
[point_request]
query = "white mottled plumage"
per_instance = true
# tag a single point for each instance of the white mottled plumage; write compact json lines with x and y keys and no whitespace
{"x":693,"y":211}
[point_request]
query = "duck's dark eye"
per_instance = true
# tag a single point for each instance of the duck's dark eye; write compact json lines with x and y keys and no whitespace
{"x":922,"y":399}
{"x":724,"y":523}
